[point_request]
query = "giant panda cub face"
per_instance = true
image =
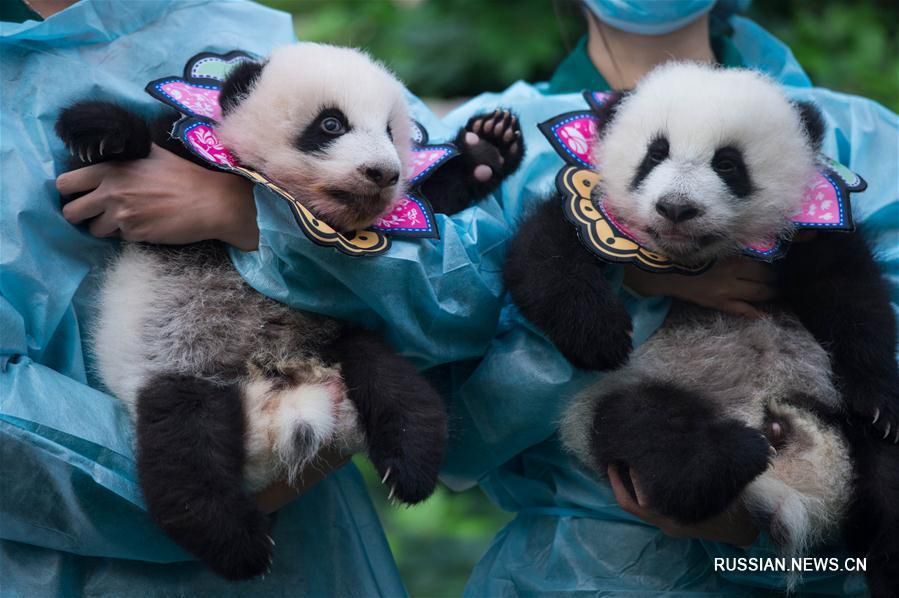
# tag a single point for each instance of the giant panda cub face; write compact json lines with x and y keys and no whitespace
{"x":698,"y":161}
{"x":327,"y":124}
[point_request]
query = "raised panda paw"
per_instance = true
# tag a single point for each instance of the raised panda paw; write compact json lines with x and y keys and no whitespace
{"x":492,"y":149}
{"x":100,"y":131}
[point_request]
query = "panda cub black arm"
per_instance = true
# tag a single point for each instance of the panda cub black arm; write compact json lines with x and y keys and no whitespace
{"x":559,"y":286}
{"x":836,"y":289}
{"x":402,"y":416}
{"x":490,"y":149}
{"x":100,"y":131}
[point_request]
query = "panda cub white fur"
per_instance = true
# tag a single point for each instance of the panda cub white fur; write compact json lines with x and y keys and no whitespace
{"x":776,"y":412}
{"x":231,"y":390}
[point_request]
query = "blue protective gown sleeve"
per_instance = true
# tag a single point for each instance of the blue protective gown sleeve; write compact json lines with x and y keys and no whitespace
{"x":72,"y":521}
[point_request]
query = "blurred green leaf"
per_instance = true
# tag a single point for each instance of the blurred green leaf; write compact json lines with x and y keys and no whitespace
{"x":851,"y":47}
{"x":446,"y":48}
{"x":437,"y":543}
{"x":450,"y":48}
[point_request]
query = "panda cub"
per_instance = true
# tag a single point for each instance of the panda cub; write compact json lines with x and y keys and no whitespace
{"x":775,"y":412}
{"x":232,"y":390}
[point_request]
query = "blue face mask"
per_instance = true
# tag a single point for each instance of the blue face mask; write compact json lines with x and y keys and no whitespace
{"x":649,"y":17}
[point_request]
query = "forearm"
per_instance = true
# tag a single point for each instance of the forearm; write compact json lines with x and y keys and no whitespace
{"x":162,"y":199}
{"x":238,"y":227}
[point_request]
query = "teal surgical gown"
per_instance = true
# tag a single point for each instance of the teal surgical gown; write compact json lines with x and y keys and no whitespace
{"x":440,"y":302}
{"x":72,"y":521}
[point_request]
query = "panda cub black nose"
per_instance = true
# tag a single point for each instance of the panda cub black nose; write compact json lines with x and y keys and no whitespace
{"x":677,"y":212}
{"x":380,"y":177}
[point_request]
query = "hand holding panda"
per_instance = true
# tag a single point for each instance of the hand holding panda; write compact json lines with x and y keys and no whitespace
{"x":232,"y":390}
{"x":697,"y":163}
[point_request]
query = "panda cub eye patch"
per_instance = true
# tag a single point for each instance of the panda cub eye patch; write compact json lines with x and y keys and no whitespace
{"x":728,"y":164}
{"x":330,"y":124}
{"x":656,"y":152}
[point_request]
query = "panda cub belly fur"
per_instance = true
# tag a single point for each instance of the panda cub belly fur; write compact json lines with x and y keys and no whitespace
{"x":187,"y":311}
{"x":757,"y":372}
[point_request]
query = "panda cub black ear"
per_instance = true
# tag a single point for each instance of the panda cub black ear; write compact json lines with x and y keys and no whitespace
{"x":238,"y":84}
{"x":812,"y":122}
{"x":606,"y":112}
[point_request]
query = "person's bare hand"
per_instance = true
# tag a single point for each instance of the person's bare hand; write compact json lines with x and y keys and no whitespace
{"x":734,"y":526}
{"x":281,"y":493}
{"x":161,"y":199}
{"x":731,"y":285}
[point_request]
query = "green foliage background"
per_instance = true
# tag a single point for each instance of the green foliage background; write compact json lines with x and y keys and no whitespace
{"x":846,"y":46}
{"x":454,"y":48}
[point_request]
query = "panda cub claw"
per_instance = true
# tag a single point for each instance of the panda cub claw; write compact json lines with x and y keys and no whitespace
{"x":879,"y":412}
{"x":408,"y":483}
{"x":243,"y":551}
{"x":95,"y":132}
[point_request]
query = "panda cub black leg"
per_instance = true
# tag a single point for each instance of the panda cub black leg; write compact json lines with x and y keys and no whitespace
{"x":491,"y":148}
{"x":835,"y":286}
{"x":96,"y":132}
{"x":691,"y":463}
{"x":403,"y":417}
{"x":190,"y":457}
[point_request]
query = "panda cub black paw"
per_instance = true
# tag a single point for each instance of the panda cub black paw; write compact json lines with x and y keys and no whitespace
{"x":243,"y":552}
{"x":594,"y":344}
{"x":96,"y":132}
{"x":408,"y":482}
{"x":492,"y":148}
{"x":409,"y":450}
